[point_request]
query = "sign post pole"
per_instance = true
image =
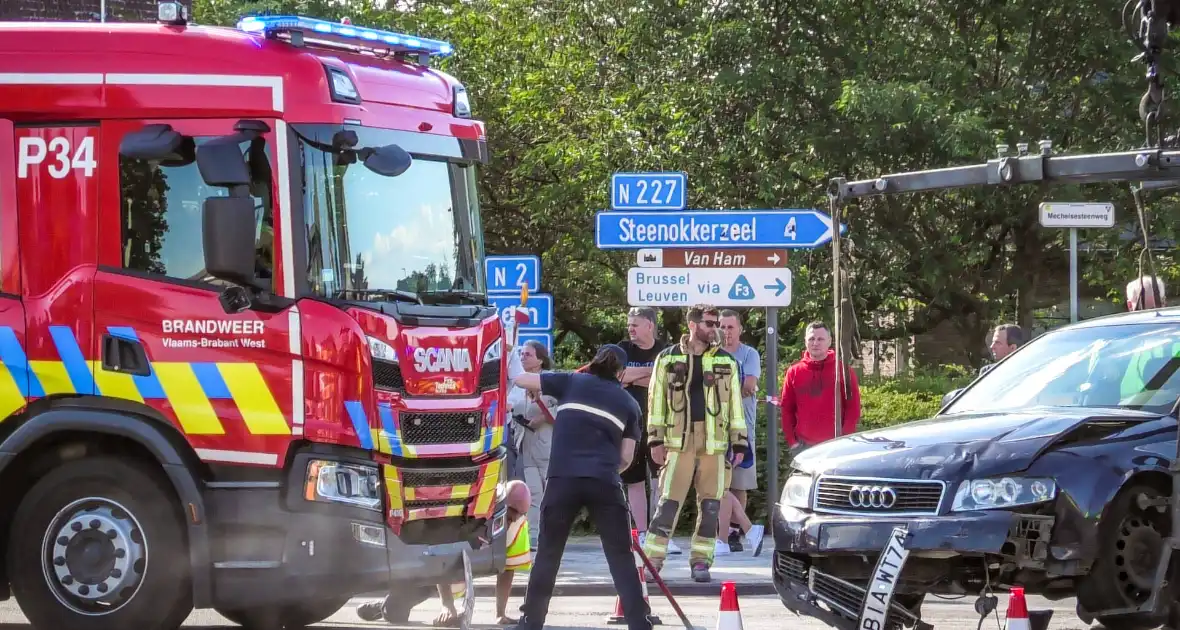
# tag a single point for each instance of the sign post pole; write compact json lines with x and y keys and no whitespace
{"x":770,"y":383}
{"x":1073,"y":275}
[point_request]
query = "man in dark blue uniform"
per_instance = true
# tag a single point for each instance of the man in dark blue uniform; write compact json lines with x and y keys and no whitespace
{"x":596,"y":428}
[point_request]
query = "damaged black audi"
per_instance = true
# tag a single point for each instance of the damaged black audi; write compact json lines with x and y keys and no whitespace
{"x":1050,"y":472}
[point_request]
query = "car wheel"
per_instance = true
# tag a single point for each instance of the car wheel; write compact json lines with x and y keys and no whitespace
{"x":292,"y":617}
{"x":1130,"y":539}
{"x":98,"y":544}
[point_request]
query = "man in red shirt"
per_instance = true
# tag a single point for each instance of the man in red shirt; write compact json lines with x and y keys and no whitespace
{"x":808,"y":397}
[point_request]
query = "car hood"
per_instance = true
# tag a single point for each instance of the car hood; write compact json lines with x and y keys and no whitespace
{"x":949,"y":446}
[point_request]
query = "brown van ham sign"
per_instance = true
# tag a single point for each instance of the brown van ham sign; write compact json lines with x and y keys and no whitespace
{"x":724,"y":258}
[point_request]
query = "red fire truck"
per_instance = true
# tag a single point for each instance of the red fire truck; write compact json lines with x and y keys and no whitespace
{"x":248,"y":361}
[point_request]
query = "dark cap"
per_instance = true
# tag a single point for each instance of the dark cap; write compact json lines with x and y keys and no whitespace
{"x":618,"y":351}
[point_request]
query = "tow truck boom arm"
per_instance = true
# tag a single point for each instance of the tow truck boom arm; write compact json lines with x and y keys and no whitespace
{"x":1140,"y":165}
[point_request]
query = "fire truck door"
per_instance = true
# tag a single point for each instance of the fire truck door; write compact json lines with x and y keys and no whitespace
{"x":14,"y":374}
{"x":164,"y":339}
{"x":57,"y":187}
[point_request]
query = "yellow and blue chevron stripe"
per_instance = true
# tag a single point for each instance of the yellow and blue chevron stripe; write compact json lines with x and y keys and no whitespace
{"x":188,"y":388}
{"x":484,"y":492}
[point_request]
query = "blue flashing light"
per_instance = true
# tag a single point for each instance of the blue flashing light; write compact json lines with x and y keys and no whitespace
{"x":346,"y":34}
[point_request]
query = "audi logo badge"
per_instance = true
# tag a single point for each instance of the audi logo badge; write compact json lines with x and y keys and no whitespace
{"x":872,"y":497}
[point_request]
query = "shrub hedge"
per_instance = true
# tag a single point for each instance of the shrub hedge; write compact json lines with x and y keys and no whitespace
{"x":884,"y":402}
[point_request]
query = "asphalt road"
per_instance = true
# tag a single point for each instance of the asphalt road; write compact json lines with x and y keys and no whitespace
{"x":758,"y":612}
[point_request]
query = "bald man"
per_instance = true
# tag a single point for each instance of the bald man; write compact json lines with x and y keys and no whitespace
{"x":1141,"y":297}
{"x":519,"y":557}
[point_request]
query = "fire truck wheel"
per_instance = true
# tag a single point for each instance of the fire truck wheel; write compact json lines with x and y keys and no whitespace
{"x":98,"y":544}
{"x":293,"y":617}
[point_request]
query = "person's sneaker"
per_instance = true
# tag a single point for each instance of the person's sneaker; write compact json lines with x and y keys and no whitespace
{"x":721,"y":548}
{"x":700,"y":572}
{"x":371,"y":611}
{"x":754,"y":538}
{"x":735,"y":540}
{"x":673,"y":548}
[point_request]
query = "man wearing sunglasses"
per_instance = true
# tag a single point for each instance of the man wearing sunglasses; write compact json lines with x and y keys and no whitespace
{"x":695,"y":417}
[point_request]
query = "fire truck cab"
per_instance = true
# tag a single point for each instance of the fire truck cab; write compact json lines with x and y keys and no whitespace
{"x":248,"y":362}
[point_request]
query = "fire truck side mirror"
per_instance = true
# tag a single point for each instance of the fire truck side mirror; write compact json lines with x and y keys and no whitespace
{"x":228,"y":240}
{"x":158,"y":143}
{"x":222,"y":163}
{"x":390,"y":160}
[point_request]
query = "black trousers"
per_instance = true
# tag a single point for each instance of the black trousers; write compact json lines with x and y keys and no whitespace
{"x":564,"y":499}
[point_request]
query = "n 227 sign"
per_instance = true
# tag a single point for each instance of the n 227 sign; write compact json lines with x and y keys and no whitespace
{"x":60,"y":155}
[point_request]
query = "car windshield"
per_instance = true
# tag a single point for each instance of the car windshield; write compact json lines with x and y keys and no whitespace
{"x":369,"y":235}
{"x":1128,"y":366}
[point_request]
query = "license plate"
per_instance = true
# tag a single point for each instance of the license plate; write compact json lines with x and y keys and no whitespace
{"x":887,"y":573}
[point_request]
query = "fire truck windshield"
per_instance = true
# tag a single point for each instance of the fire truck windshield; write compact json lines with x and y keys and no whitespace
{"x":369,"y":236}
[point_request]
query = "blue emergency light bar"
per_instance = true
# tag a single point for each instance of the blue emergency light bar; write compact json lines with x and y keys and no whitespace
{"x":346,"y":34}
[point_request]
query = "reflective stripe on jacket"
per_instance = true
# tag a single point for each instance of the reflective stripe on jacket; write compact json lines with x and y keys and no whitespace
{"x":668,"y":400}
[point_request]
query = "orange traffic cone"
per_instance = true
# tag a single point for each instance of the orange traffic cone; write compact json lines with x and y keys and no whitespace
{"x":1017,"y":615}
{"x":729,"y":616}
{"x":618,"y":618}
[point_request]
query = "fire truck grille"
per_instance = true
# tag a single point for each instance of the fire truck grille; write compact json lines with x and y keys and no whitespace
{"x":426,"y":477}
{"x":441,"y":428}
{"x":435,"y":503}
{"x":489,"y":375}
{"x":387,"y":375}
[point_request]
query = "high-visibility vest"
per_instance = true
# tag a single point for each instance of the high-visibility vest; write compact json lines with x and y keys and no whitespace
{"x":669,"y":404}
{"x":1134,"y":380}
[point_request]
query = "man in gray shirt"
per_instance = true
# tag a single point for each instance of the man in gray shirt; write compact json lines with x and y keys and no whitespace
{"x":745,"y":475}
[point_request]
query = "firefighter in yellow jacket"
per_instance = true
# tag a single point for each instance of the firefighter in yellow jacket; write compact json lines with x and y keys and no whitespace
{"x":695,"y":417}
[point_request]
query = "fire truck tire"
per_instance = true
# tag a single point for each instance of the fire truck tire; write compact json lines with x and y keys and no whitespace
{"x":292,"y":617}
{"x":98,"y":544}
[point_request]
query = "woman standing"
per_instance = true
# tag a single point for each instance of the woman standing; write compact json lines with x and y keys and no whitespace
{"x":594,"y":438}
{"x":534,"y":440}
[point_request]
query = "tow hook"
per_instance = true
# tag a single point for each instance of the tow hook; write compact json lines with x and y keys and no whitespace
{"x":1159,"y":503}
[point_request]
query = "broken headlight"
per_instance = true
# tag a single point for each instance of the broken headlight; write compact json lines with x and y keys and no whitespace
{"x":797,"y":491}
{"x":990,"y":494}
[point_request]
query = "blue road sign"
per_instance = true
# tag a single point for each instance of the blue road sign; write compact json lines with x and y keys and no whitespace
{"x":540,"y":310}
{"x":544,"y":337}
{"x":648,"y":191}
{"x":715,"y":229}
{"x":507,"y":274}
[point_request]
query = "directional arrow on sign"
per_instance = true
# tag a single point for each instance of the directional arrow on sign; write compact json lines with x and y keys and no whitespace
{"x":778,"y":287}
{"x":774,"y":258}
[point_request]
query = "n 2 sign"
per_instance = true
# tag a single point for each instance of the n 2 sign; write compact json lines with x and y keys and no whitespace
{"x":539,"y":309}
{"x":507,"y":274}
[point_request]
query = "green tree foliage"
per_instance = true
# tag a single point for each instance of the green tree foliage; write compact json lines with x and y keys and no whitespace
{"x":761,"y":102}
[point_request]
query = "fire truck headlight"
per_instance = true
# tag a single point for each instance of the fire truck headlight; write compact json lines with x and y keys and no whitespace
{"x":381,"y":350}
{"x":336,"y":482}
{"x":493,"y":352}
{"x":462,"y":102}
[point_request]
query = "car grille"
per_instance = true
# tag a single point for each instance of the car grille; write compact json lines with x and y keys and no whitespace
{"x":427,"y":477}
{"x":441,"y":428}
{"x":848,"y":598}
{"x":841,"y":596}
{"x":387,"y":375}
{"x":878,"y":496}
